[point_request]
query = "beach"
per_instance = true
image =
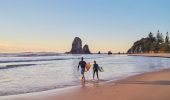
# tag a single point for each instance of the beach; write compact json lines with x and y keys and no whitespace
{"x":163,"y":55}
{"x":84,"y":50}
{"x":147,"y":86}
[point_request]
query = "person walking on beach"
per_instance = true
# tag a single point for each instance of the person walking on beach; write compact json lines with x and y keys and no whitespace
{"x":95,"y":70}
{"x":82,"y":63}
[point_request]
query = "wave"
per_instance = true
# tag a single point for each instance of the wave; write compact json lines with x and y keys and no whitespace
{"x":28,"y":54}
{"x":37,"y":54}
{"x":36,"y":60}
{"x":16,"y":65}
{"x":35,"y":57}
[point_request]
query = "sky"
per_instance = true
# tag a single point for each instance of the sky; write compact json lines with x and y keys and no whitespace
{"x":105,"y":25}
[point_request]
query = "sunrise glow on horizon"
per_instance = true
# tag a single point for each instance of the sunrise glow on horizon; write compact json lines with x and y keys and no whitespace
{"x":51,"y":25}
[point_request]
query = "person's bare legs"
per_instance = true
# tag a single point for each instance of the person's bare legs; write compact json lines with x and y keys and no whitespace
{"x":97,"y":75}
{"x":83,"y":78}
{"x":93,"y":74}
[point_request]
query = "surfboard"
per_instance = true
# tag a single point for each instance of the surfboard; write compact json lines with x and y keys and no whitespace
{"x":88,"y":65}
{"x":101,"y":69}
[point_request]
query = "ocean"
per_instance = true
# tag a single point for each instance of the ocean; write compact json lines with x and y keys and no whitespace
{"x":34,"y":72}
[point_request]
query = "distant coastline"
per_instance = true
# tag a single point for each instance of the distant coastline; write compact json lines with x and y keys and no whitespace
{"x":151,"y":44}
{"x":162,"y":55}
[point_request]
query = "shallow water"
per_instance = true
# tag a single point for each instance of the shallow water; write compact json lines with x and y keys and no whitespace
{"x":34,"y":72}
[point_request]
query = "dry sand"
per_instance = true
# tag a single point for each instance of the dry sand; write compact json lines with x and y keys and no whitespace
{"x":148,"y":86}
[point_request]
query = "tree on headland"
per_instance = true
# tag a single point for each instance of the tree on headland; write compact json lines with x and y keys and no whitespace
{"x":151,"y":44}
{"x":151,"y":37}
{"x":167,"y":38}
{"x":159,"y":37}
{"x":167,"y":43}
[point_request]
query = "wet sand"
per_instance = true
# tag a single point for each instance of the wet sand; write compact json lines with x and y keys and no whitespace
{"x":148,"y":86}
{"x":163,"y":55}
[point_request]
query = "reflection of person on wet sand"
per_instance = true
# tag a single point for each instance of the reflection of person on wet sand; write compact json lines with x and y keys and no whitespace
{"x":95,"y":70}
{"x":83,"y":65}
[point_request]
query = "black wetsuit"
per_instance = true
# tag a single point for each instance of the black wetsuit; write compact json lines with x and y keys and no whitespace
{"x":83,"y":65}
{"x":95,"y":70}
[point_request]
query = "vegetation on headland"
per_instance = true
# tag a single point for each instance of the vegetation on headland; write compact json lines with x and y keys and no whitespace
{"x":151,"y":44}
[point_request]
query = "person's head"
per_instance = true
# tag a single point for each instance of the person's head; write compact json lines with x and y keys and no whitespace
{"x":94,"y":62}
{"x":82,"y":58}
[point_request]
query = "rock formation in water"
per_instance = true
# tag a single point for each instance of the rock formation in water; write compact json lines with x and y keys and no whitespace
{"x":76,"y":46}
{"x":99,"y":52}
{"x":86,"y":50}
{"x":109,"y":53}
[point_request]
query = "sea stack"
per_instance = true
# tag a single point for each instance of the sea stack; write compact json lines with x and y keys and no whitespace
{"x":86,"y":49}
{"x":99,"y":52}
{"x":109,"y":53}
{"x":76,"y":46}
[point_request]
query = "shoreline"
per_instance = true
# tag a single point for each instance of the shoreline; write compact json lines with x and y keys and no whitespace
{"x":77,"y":92}
{"x":65,"y":89}
{"x":162,"y":55}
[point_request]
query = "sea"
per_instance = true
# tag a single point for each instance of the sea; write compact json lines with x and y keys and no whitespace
{"x":22,"y":73}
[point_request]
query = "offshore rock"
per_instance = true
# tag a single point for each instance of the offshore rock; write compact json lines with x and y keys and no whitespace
{"x":86,"y":50}
{"x":109,"y":53}
{"x":76,"y":46}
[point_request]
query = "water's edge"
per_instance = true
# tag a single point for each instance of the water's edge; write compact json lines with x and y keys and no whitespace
{"x":58,"y":91}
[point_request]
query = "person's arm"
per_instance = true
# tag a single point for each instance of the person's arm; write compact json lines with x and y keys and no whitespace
{"x":78,"y":66}
{"x":85,"y":64}
{"x":93,"y":66}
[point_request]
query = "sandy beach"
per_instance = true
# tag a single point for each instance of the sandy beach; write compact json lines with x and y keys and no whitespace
{"x":84,"y":50}
{"x":148,"y":86}
{"x":163,"y":55}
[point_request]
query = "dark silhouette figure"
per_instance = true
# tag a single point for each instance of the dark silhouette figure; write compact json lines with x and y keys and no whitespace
{"x":82,"y":63}
{"x":95,"y":70}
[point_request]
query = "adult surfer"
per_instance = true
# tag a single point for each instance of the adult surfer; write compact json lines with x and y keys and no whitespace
{"x":82,"y":63}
